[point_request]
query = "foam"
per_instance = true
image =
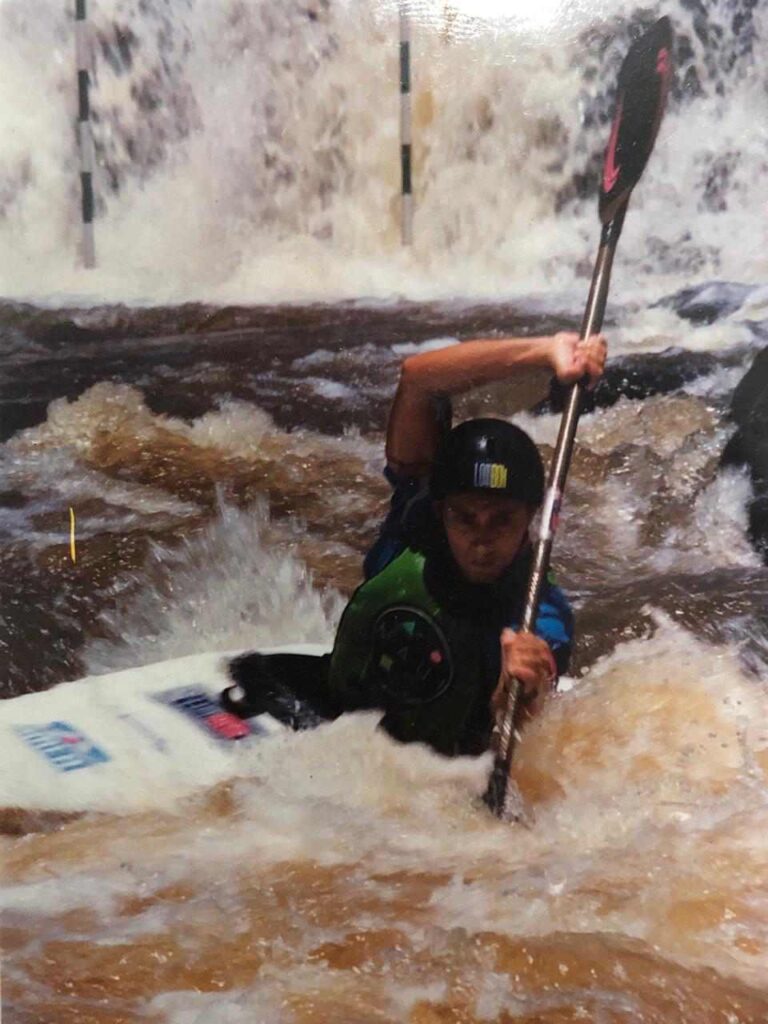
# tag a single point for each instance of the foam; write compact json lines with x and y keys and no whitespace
{"x":656,"y":756}
{"x":296,"y":194}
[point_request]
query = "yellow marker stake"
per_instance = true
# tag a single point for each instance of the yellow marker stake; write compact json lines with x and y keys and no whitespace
{"x":72,"y":551}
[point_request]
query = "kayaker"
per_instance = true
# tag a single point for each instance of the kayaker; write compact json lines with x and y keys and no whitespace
{"x":430,"y":635}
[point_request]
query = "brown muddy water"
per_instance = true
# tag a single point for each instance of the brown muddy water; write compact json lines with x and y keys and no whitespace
{"x":224,"y":468}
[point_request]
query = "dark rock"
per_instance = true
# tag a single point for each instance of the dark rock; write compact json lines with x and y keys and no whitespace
{"x":749,"y":445}
{"x":640,"y":376}
{"x":706,"y":303}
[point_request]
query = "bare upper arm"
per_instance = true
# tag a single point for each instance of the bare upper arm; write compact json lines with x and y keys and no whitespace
{"x":414,"y":427}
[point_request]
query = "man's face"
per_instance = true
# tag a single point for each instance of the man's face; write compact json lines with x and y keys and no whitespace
{"x":484,"y":532}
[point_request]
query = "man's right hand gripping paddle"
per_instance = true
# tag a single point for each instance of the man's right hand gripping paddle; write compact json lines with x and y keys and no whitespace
{"x":642,"y":89}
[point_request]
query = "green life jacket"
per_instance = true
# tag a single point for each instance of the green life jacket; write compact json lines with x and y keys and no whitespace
{"x":398,"y":650}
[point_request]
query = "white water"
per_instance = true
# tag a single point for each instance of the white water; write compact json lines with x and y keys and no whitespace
{"x":225,"y":590}
{"x":249,"y":152}
{"x":649,"y":779}
{"x":648,"y":785}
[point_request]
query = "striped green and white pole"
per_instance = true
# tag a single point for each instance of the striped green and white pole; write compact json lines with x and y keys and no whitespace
{"x":405,"y":126}
{"x":84,"y":137}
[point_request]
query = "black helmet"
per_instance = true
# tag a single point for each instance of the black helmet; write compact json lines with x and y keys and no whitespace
{"x":488,"y":455}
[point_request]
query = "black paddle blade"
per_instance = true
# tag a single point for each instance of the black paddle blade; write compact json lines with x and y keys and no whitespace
{"x":642,"y":91}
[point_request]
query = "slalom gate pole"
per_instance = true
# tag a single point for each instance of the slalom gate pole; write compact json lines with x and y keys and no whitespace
{"x":84,"y":136}
{"x":406,"y":209}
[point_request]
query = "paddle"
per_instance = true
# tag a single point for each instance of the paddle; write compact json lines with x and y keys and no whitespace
{"x":642,"y":89}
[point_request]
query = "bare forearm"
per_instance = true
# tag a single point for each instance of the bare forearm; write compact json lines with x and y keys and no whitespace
{"x":453,"y":370}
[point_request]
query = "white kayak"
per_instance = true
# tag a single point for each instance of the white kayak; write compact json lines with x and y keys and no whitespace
{"x":127,"y":740}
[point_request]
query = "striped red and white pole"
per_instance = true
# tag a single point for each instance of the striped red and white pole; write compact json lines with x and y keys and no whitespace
{"x":405,"y":126}
{"x":84,"y":137}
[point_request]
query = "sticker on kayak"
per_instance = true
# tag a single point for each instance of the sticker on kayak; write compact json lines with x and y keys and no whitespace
{"x":206,"y":713}
{"x":64,"y":746}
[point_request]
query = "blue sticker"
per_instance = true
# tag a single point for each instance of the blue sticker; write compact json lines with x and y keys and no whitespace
{"x":198,"y":706}
{"x":64,"y":746}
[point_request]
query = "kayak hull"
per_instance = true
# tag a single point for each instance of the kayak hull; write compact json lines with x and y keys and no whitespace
{"x":129,"y":740}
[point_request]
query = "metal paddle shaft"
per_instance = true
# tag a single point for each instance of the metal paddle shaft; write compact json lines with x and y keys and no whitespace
{"x":642,"y":89}
{"x":496,"y":794}
{"x":561,"y":460}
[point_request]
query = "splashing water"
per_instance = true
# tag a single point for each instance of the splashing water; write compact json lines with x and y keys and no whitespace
{"x":249,"y":152}
{"x":387,"y":893}
{"x":278,"y":128}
